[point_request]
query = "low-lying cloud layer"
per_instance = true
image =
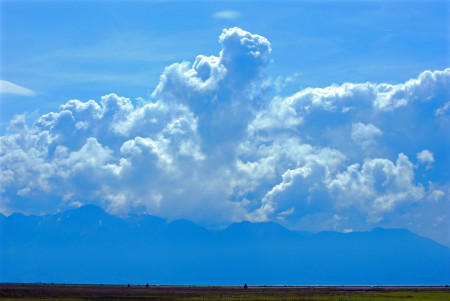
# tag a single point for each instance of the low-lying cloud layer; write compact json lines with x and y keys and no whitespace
{"x":211,"y":146}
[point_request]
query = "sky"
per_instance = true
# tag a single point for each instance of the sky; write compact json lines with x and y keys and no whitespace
{"x":319,"y":115}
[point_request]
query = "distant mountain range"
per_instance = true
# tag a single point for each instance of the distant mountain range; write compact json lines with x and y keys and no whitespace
{"x":87,"y":245}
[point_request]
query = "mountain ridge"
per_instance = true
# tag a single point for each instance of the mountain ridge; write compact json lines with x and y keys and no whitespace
{"x":90,"y":245}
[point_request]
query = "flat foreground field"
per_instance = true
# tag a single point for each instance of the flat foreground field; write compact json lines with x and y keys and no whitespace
{"x":141,"y":292}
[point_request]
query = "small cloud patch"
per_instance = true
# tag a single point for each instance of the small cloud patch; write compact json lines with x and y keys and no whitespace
{"x":227,"y":14}
{"x":425,"y":156}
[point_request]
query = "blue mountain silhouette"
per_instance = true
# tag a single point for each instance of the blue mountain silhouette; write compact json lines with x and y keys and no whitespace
{"x":87,"y":245}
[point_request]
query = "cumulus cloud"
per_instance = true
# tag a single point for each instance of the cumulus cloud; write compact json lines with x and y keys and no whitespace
{"x":378,"y":185}
{"x":267,"y":206}
{"x":7,"y":87}
{"x":374,"y":97}
{"x":239,"y":64}
{"x":425,"y":156}
{"x":211,"y":146}
{"x":364,"y":134}
{"x":222,"y":91}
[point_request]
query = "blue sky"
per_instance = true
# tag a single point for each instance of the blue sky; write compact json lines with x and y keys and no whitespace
{"x":319,"y":115}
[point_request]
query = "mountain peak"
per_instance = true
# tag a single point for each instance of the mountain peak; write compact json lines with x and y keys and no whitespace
{"x":90,"y":208}
{"x":263,"y":230}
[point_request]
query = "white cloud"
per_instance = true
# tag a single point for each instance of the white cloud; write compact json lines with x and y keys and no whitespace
{"x":377,"y":186}
{"x":24,"y":192}
{"x":239,"y":64}
{"x":227,"y":14}
{"x":442,"y":110}
{"x":138,"y":146}
{"x":425,"y":156}
{"x":268,"y":205}
{"x":364,"y":134}
{"x":367,"y":98}
{"x":7,"y":87}
{"x":281,"y":82}
{"x":391,"y":97}
{"x":282,"y":215}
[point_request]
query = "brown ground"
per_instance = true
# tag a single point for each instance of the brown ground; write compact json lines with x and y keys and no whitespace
{"x":141,"y":292}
